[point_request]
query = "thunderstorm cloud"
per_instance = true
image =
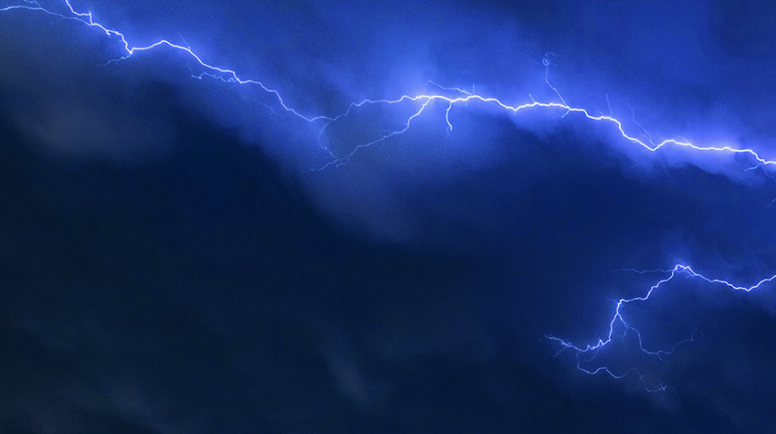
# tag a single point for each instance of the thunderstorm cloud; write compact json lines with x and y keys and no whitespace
{"x":349,"y":225}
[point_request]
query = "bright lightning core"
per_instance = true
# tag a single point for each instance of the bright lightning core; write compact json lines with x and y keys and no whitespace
{"x":450,"y":99}
{"x":420,"y":101}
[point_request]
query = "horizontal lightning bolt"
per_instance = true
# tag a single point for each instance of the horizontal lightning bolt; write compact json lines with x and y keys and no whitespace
{"x":422,"y":100}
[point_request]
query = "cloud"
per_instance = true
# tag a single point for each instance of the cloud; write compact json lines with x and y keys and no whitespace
{"x":57,"y":92}
{"x":453,"y":252}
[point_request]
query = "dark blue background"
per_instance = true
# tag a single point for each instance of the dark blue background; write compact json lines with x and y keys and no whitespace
{"x":170,"y":264}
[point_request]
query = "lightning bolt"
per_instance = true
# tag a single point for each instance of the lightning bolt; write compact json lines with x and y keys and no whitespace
{"x":585,"y":354}
{"x":421,"y":101}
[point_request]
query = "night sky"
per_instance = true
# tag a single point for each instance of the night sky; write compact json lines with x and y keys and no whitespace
{"x":172,"y":260}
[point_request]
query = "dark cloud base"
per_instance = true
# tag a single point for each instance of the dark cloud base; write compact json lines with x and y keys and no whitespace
{"x":202,"y":293}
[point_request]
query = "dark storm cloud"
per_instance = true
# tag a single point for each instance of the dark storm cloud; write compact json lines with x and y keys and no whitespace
{"x":199,"y":291}
{"x":46,"y":95}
